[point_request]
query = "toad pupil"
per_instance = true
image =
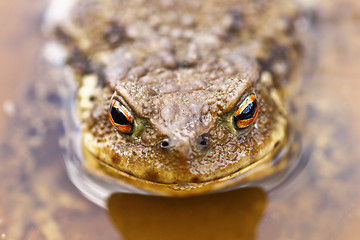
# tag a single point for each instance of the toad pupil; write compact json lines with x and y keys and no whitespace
{"x":120,"y":117}
{"x":248,"y":111}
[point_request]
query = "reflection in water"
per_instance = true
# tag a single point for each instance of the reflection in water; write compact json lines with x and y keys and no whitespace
{"x":230,"y":215}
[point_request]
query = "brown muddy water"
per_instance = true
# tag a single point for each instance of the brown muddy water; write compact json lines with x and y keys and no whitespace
{"x":37,"y":201}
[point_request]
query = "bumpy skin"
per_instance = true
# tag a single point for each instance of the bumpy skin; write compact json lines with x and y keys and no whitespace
{"x":182,"y":68}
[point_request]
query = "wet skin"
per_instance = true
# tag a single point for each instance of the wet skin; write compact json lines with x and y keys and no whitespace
{"x":182,"y":102}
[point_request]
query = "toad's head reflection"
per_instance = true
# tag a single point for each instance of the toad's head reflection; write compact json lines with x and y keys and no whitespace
{"x":230,"y":215}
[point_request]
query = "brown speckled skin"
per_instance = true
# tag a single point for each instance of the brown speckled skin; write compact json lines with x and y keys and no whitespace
{"x":182,"y":68}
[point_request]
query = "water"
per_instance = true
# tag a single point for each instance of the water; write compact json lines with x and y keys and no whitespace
{"x":37,"y":201}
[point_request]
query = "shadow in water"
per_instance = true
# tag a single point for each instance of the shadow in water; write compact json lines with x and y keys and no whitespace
{"x":229,"y":215}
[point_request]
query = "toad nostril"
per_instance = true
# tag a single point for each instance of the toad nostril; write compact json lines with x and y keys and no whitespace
{"x":165,"y":143}
{"x":203,"y":141}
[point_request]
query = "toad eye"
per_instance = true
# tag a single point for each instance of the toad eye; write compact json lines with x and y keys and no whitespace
{"x":246,"y":113}
{"x":121,"y":118}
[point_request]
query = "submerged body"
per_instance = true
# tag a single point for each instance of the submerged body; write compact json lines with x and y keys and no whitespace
{"x":182,"y":97}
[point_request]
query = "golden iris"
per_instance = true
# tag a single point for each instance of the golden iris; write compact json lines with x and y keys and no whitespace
{"x":246,"y":113}
{"x":120,"y":117}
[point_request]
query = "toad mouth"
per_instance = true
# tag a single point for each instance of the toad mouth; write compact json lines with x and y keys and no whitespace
{"x":227,"y":180}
